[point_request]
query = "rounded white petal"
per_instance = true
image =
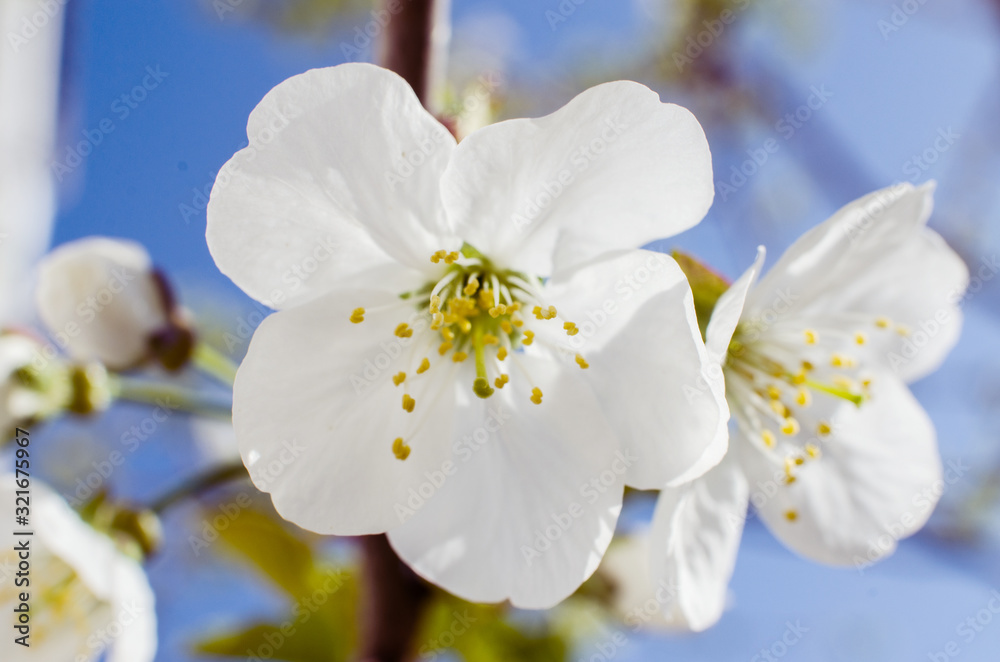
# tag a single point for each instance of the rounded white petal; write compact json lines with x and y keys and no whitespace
{"x":877,"y":480}
{"x":728,"y":310}
{"x":110,"y":604}
{"x":694,"y":541}
{"x":340,"y":182}
{"x":100,"y":298}
{"x":316,"y":412}
{"x":875,"y":258}
{"x":614,"y":168}
{"x":648,"y":365}
{"x":527,"y":504}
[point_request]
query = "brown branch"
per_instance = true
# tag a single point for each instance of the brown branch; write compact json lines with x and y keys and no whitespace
{"x":406,"y":48}
{"x":394,"y":597}
{"x":393,"y":601}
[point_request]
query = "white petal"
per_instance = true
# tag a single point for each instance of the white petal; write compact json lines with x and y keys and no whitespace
{"x":877,"y":480}
{"x":728,"y":310}
{"x":532,"y":496}
{"x":99,"y":297}
{"x":316,"y":412}
{"x":614,"y":168}
{"x":873,"y":258}
{"x":648,"y":365}
{"x":695,"y":538}
{"x":326,"y":194}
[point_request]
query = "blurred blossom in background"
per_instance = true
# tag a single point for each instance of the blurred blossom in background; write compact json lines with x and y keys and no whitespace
{"x":118,"y":116}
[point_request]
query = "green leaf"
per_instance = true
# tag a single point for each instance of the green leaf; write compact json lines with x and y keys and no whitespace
{"x":269,"y":546}
{"x":290,"y":641}
{"x":483,"y":633}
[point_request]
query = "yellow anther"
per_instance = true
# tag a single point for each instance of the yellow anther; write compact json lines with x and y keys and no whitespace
{"x":860,"y":338}
{"x":807,"y":366}
{"x":425,"y":365}
{"x":471,"y":286}
{"x":799,"y":378}
{"x":768,"y":438}
{"x":458,"y":357}
{"x":903,"y":330}
{"x":779,"y":408}
{"x":435,"y":304}
{"x":506,"y":327}
{"x":408,"y":402}
{"x":514,"y":307}
{"x":358,"y":316}
{"x":448,"y":334}
{"x":773,"y":392}
{"x":501,"y":380}
{"x":451,"y":258}
{"x":490,"y":339}
{"x":537,"y":311}
{"x":812,"y":451}
{"x":571,"y":329}
{"x":789,"y":480}
{"x":501,"y":353}
{"x":549,"y":313}
{"x":803,"y":397}
{"x":497,"y":311}
{"x":438,"y":256}
{"x":529,"y":337}
{"x":518,"y":322}
{"x":399,"y":378}
{"x":536,"y":395}
{"x":799,"y":461}
{"x":400,"y":450}
{"x":824,"y":428}
{"x":883,"y":322}
{"x":811,"y":337}
{"x":581,"y":362}
{"x":445,"y":346}
{"x":465,"y":325}
{"x":404,"y":330}
{"x":437,"y":321}
{"x":791,"y":515}
{"x":790,"y":427}
{"x":838,"y":361}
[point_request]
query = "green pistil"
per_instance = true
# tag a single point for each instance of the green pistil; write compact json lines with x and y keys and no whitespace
{"x":835,"y":391}
{"x":481,"y":386}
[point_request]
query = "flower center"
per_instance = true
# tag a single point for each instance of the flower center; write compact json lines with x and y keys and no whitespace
{"x":62,"y":605}
{"x":773,"y":378}
{"x":475,"y":310}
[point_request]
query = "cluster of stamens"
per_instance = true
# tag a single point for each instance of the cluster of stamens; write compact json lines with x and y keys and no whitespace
{"x":478,"y":311}
{"x":772,"y":383}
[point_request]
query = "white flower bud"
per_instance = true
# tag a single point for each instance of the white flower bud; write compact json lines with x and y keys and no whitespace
{"x":102,"y":300}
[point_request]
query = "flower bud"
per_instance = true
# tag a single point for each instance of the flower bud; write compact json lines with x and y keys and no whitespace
{"x":104,"y":300}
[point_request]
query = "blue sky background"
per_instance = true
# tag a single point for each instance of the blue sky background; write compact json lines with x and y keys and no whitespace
{"x":891,"y":95}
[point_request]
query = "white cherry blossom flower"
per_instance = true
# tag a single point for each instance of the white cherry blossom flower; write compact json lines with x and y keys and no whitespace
{"x":102,"y":300}
{"x":86,"y":597}
{"x":467,"y":355}
{"x":829,"y":445}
